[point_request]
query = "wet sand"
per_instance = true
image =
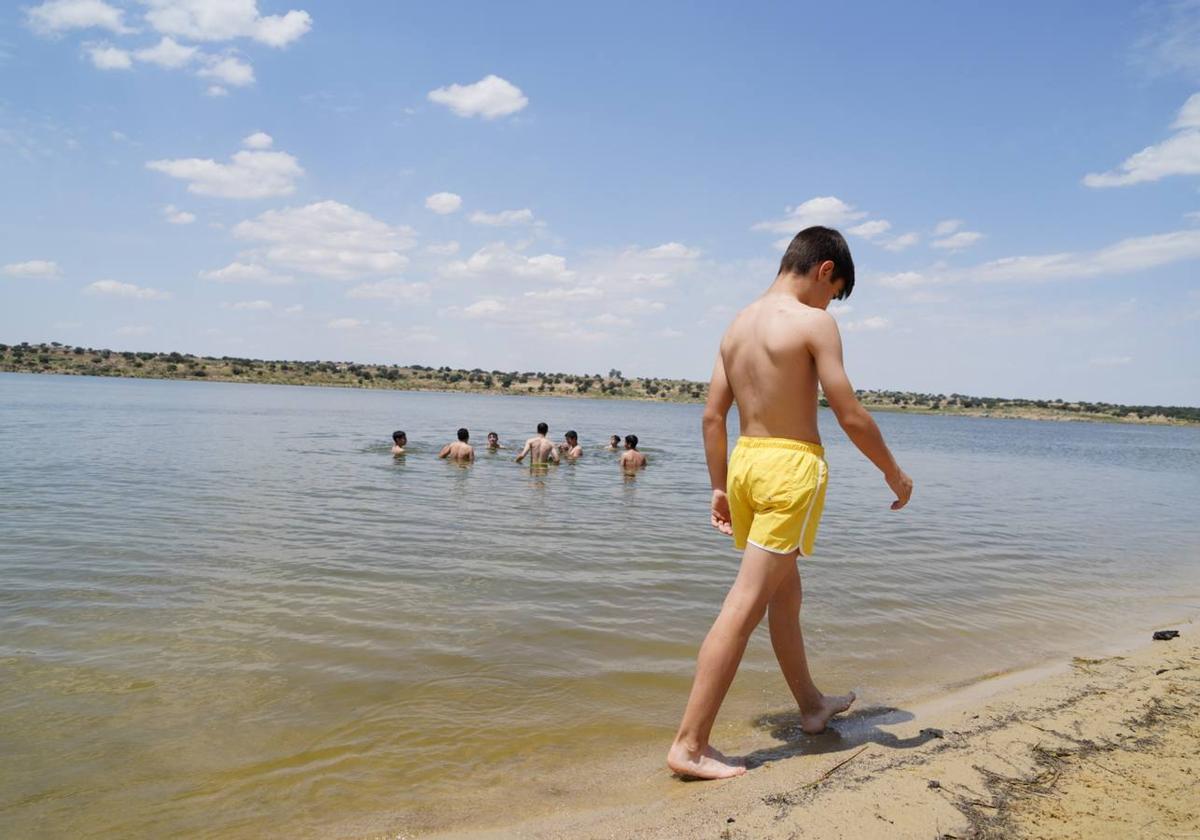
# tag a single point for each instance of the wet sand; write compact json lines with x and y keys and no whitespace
{"x":1106,"y":745}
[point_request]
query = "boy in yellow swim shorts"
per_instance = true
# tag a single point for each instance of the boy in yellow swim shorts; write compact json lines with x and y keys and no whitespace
{"x":770,"y":494}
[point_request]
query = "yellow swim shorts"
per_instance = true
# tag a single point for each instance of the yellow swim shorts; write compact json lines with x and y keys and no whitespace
{"x":776,"y":492}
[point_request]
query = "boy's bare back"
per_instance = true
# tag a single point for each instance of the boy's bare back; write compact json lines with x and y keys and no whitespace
{"x":769,"y":362}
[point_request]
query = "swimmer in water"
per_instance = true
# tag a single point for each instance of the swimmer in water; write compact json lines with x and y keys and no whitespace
{"x":540,"y":449}
{"x":459,"y":450}
{"x":493,"y":442}
{"x":631,"y":459}
{"x":399,"y":441}
{"x":614,"y":443}
{"x":570,"y":447}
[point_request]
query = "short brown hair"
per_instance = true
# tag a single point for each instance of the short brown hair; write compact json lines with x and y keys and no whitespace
{"x":813,"y":246}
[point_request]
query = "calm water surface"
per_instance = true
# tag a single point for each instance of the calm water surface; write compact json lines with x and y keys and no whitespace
{"x":226,"y":610}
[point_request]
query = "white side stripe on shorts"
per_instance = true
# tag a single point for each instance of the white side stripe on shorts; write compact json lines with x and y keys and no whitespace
{"x":812,"y":503}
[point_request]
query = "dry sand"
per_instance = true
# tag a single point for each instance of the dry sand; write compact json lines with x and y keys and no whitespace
{"x":1106,"y":746}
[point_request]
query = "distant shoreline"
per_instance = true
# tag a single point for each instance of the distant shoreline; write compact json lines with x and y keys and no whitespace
{"x":64,"y":359}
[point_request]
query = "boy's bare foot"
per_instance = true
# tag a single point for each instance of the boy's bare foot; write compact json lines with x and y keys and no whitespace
{"x":813,"y":723}
{"x":711,"y":764}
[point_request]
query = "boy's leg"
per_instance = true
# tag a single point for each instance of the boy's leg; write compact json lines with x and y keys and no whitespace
{"x":759,"y":575}
{"x":788,"y":641}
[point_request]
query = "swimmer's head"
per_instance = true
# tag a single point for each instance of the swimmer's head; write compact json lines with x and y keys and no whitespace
{"x":463,"y":434}
{"x":493,"y":437}
{"x":614,"y":441}
{"x":399,"y":438}
{"x":571,"y":437}
{"x":543,"y":428}
{"x":631,"y":441}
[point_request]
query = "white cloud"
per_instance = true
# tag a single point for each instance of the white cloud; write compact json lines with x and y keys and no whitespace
{"x":872,"y":229}
{"x":666,"y":251}
{"x":609,"y":319}
{"x":836,"y":308}
{"x":443,"y":249}
{"x":958,"y":241}
{"x":239,"y":272}
{"x":669,"y":332}
{"x":167,"y":53}
{"x":215,"y":90}
{"x":176,"y":216}
{"x":125,"y":290}
{"x":499,"y":260}
{"x":947,"y":227}
{"x":107,"y":57}
{"x":248,"y":305}
{"x":133,"y":329}
{"x":484,"y":308}
{"x":57,"y":16}
{"x":1171,"y":43}
{"x":560,"y":293}
{"x":391,"y":290}
{"x":258,"y":140}
{"x":489,"y":98}
{"x":224,"y":20}
{"x":294,"y":309}
{"x":249,"y":174}
{"x":899,"y":243}
{"x":443,"y":202}
{"x":228,"y":69}
{"x":824,"y":210}
{"x":505,"y":218}
{"x":329,"y":239}
{"x":32,"y":268}
{"x":875,"y":322}
{"x":1177,"y":155}
{"x":905,"y":280}
{"x":1134,"y":255}
{"x":346,"y":324}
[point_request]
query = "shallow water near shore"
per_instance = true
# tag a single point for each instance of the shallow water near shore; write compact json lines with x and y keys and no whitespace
{"x":228,"y":611}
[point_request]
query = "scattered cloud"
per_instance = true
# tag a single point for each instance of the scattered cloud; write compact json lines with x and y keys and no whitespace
{"x":875,"y":322}
{"x":1179,"y":154}
{"x":176,"y":216}
{"x":115,"y":288}
{"x":443,"y":202}
{"x":294,"y":309}
{"x":56,"y":16}
{"x":346,"y":324}
{"x":328,"y":239}
{"x":505,"y":218}
{"x":610,"y":319}
{"x":248,"y":305}
{"x":1134,"y":255}
{"x":167,"y":53}
{"x":205,"y":20}
{"x":108,"y":57}
{"x":259,"y":140}
{"x":899,"y":243}
{"x":239,"y":272}
{"x":133,"y":330}
{"x":391,"y":290}
{"x":498,"y":260}
{"x":216,"y":90}
{"x":1171,"y":42}
{"x":836,"y":309}
{"x":43,"y":269}
{"x":872,"y":229}
{"x":824,"y":210}
{"x":490,"y":97}
{"x":903,"y":280}
{"x":443,"y":249}
{"x":484,"y":308}
{"x":957,"y":241}
{"x":228,"y":69}
{"x":947,"y":227}
{"x":249,"y":174}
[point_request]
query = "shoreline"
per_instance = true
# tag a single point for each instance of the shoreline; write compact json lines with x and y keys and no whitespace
{"x":1101,"y":745}
{"x":873,"y":406}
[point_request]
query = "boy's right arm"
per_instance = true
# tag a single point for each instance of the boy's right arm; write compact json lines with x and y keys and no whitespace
{"x":716,"y":444}
{"x":852,"y":417}
{"x":524,"y":452}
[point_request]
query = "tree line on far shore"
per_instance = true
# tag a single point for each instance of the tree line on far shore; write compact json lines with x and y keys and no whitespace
{"x":56,"y":357}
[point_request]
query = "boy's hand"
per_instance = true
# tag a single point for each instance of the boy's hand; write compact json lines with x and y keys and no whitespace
{"x":902,"y":486}
{"x":720,"y":512}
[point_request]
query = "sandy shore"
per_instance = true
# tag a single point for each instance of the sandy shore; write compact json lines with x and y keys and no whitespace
{"x":1107,"y":745}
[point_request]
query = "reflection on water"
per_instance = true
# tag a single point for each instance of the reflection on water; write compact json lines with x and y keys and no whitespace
{"x":227,"y":610}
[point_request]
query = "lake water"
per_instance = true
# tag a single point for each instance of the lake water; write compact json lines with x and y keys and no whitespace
{"x":227,"y":611}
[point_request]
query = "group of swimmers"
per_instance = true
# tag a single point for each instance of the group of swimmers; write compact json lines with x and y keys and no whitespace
{"x":539,"y":448}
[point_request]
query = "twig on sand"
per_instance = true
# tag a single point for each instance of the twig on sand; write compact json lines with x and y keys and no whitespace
{"x":828,"y":772}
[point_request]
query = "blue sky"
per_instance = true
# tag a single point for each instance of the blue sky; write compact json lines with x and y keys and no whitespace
{"x":547,"y":187}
